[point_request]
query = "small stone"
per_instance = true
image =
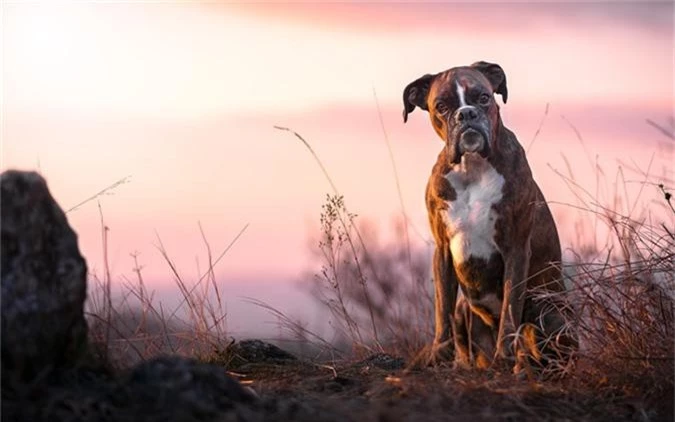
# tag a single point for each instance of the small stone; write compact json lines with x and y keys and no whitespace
{"x":384,"y":361}
{"x":257,"y":351}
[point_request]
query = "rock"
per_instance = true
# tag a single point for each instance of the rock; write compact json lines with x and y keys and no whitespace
{"x":178,"y":389}
{"x":383,"y":361}
{"x":77,"y":394}
{"x":43,"y":282}
{"x":255,"y":351}
{"x":163,"y":389}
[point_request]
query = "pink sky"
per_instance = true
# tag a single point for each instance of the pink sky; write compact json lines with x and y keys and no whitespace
{"x":183,"y":98}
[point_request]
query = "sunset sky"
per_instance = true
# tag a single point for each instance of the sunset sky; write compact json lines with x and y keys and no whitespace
{"x":183,"y":97}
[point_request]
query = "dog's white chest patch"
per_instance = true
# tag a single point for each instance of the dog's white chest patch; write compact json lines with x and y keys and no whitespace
{"x":470,"y":218}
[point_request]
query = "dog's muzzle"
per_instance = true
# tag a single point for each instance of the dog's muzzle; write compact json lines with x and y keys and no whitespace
{"x":470,"y":133}
{"x":471,"y":140}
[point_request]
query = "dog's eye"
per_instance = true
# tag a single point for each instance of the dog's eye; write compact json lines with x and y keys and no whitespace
{"x":441,"y":108}
{"x":484,"y":99}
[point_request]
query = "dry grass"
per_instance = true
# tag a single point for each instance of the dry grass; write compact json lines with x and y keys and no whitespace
{"x":624,"y":290}
{"x":134,"y":326}
{"x":395,"y":277}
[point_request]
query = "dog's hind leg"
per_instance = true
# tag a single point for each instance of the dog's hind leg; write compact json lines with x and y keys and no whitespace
{"x":559,"y":340}
{"x":546,"y":340}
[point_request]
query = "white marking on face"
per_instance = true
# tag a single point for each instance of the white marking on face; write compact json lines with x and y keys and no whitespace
{"x":460,"y":94}
{"x":470,"y":219}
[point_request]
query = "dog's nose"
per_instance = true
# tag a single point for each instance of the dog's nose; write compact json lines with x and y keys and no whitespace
{"x":466,"y":114}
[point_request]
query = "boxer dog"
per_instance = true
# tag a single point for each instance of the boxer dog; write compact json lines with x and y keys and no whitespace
{"x":495,"y":236}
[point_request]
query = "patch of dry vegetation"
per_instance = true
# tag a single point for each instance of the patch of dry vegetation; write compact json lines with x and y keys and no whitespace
{"x":378,"y":294}
{"x":134,"y":326}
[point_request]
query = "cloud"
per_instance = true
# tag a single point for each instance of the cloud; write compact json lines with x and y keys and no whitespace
{"x":476,"y":18}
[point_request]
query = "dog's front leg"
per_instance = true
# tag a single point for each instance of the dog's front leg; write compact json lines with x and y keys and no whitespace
{"x":445,"y":283}
{"x":516,"y":266}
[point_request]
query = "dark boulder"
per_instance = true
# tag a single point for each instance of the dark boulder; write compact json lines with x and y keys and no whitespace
{"x":173,"y":388}
{"x":43,"y":282}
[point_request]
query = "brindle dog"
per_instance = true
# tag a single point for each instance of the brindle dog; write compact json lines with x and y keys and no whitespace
{"x":495,"y":236}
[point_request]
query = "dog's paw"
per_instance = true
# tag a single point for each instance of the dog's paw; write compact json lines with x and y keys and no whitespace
{"x":441,"y":353}
{"x":503,"y":353}
{"x":435,"y":354}
{"x":505,"y":350}
{"x":501,"y":365}
{"x":522,"y":370}
{"x":461,"y":364}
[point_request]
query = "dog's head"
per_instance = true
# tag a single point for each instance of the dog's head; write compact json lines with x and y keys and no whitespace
{"x":461,"y":105}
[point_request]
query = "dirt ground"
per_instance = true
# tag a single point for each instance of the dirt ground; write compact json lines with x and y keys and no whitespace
{"x":370,"y":391}
{"x":276,"y":386}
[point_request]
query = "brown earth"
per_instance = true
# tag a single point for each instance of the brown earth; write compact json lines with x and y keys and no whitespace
{"x":381,"y":389}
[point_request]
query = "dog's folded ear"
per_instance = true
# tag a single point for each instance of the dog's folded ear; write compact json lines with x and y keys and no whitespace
{"x":415,"y":95}
{"x":495,"y":74}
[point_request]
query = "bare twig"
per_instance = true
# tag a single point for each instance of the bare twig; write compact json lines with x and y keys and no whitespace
{"x":536,"y":133}
{"x":103,"y":191}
